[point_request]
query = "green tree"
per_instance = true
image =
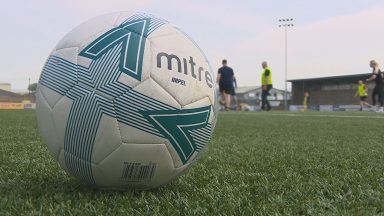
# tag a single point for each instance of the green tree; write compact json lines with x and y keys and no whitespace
{"x":32,"y":87}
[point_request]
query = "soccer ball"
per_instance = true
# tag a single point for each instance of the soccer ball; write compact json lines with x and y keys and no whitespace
{"x":126,"y":100}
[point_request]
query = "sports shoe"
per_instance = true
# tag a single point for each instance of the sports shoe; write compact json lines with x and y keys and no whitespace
{"x":374,"y":109}
{"x":380,"y":110}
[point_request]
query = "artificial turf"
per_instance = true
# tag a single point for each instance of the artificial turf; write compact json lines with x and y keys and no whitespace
{"x":256,"y":164}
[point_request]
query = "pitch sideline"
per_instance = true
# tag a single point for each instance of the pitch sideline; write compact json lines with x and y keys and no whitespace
{"x":301,"y":115}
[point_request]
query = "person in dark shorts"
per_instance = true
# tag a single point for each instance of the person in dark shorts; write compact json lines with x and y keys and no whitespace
{"x":266,"y":84}
{"x":225,"y":78}
{"x":377,"y":77}
{"x":362,"y":91}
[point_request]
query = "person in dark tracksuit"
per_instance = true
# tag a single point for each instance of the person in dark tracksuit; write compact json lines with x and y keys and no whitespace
{"x":266,"y":84}
{"x":377,"y":77}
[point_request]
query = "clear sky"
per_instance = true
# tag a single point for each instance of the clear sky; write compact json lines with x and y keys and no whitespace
{"x":329,"y":37}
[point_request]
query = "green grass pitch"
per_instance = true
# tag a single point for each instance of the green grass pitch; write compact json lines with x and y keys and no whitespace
{"x":257,"y":163}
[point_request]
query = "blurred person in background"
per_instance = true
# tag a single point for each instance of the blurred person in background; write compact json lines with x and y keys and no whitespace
{"x":266,"y":84}
{"x":233,"y":94}
{"x":306,"y":101}
{"x":377,"y":77}
{"x":362,"y":91}
{"x":225,"y":77}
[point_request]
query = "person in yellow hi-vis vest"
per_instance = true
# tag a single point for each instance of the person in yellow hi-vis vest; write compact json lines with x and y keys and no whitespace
{"x":266,"y":84}
{"x":362,"y":91}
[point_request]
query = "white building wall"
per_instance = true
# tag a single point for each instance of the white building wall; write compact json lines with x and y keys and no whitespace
{"x":5,"y":86}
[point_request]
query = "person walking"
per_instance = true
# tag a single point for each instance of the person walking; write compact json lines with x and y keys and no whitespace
{"x":233,"y":94}
{"x":225,"y":77}
{"x":362,"y":91}
{"x":306,"y":101}
{"x":266,"y":85}
{"x":377,"y":77}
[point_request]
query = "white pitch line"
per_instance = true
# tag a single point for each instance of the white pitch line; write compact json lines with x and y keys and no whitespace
{"x":299,"y":115}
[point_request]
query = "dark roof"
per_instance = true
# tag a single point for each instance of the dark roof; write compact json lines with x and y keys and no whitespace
{"x":246,"y":89}
{"x":9,"y":94}
{"x":333,"y":77}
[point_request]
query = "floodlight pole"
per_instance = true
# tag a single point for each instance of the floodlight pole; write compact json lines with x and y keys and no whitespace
{"x":286,"y":23}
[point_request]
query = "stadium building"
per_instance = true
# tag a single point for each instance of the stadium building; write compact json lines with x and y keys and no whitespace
{"x":334,"y":90}
{"x":251,"y":96}
{"x":8,"y":96}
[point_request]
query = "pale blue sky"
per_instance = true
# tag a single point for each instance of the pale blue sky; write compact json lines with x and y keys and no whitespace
{"x":330,"y":37}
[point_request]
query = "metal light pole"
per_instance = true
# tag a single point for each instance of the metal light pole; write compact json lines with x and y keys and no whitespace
{"x":286,"y":23}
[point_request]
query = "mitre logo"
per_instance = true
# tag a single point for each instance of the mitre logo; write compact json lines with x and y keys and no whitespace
{"x":184,"y":66}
